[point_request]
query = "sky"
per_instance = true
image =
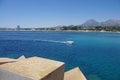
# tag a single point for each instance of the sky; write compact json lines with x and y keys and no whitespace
{"x":50,"y":13}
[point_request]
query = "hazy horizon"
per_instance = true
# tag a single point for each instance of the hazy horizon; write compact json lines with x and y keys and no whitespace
{"x":50,"y":13}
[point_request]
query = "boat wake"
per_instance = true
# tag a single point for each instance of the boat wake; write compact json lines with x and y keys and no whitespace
{"x":53,"y":41}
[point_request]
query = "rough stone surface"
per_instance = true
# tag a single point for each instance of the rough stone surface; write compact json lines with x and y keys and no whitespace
{"x":36,"y":68}
{"x":7,"y":75}
{"x":6,"y":60}
{"x":57,"y":74}
{"x":74,"y":74}
{"x":21,"y":58}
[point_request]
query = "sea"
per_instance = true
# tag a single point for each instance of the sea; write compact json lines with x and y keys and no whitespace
{"x":97,"y":54}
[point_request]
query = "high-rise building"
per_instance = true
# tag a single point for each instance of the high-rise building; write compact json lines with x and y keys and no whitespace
{"x":18,"y":27}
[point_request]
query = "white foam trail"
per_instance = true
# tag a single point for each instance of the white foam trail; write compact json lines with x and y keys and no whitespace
{"x":51,"y":41}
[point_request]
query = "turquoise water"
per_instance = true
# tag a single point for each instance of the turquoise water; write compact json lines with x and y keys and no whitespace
{"x":97,"y":54}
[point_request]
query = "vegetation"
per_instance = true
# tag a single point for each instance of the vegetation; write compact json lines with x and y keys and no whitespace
{"x":71,"y":27}
{"x":90,"y":28}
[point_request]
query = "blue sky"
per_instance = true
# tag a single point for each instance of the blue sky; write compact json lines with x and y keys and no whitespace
{"x":45,"y":13}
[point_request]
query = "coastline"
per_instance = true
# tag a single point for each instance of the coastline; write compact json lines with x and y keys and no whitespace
{"x":63,"y":31}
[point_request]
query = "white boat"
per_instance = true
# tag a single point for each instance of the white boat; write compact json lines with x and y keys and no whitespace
{"x":69,"y":42}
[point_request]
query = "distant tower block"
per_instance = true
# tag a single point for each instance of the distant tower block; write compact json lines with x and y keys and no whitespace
{"x":18,"y":27}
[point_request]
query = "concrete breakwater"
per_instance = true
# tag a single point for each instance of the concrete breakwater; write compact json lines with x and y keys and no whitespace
{"x":36,"y":68}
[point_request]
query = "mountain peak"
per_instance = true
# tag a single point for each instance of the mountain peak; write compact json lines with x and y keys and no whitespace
{"x":90,"y":22}
{"x":109,"y":22}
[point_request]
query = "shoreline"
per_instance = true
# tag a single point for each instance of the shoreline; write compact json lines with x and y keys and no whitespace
{"x":63,"y":31}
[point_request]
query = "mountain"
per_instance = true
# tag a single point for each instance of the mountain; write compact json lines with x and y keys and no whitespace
{"x":109,"y":22}
{"x":90,"y":22}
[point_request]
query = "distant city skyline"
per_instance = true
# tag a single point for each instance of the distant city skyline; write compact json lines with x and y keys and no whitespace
{"x":49,"y":13}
